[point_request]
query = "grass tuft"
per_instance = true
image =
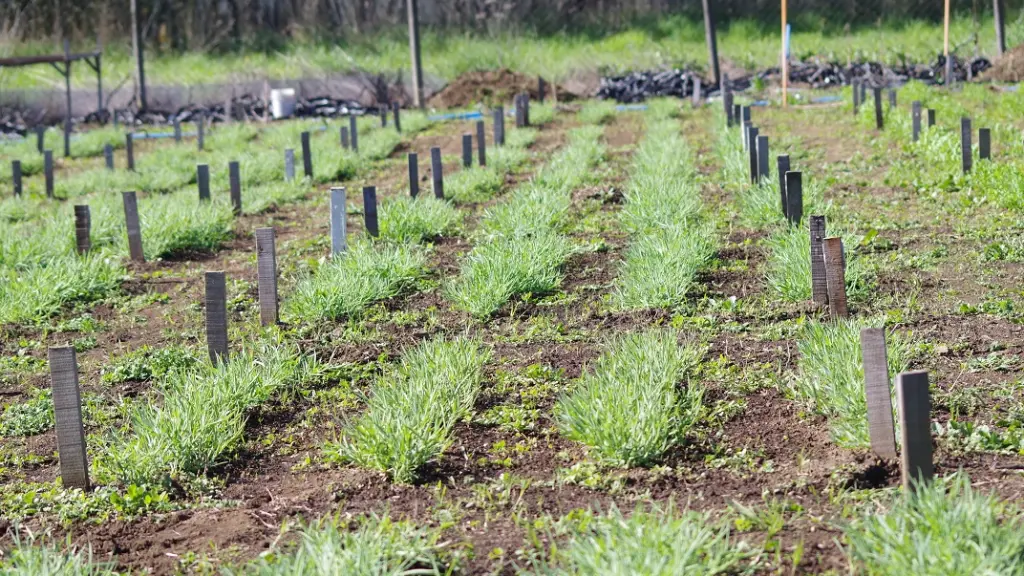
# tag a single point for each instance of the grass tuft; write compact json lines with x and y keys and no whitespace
{"x":414,"y":220}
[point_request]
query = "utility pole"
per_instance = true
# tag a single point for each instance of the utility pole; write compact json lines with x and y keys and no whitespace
{"x":414,"y":49}
{"x":712,"y":42}
{"x":140,"y":69}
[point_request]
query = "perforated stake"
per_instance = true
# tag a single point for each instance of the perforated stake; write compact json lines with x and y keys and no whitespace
{"x":481,"y":143}
{"x":83,"y":224}
{"x":879,"y":121}
{"x":48,"y":171}
{"x":131,"y":219}
{"x":878,"y":392}
{"x":414,"y":175}
{"x":499,"y":126}
{"x":915,"y":428}
{"x":353,"y":133}
{"x":289,"y":165}
{"x":235,"y":181}
{"x":819,"y":282}
{"x":16,"y":176}
{"x":782,"y":166}
{"x":203,"y":181}
{"x":129,"y":150}
{"x":307,"y":156}
{"x":467,"y":150}
{"x":835,"y":276}
{"x":370,"y":210}
{"x":108,"y":156}
{"x":436,"y":172}
{"x":337,"y":220}
{"x":915,"y":120}
{"x":216,"y":317}
{"x":965,"y":144}
{"x":67,"y":411}
{"x":266,"y":271}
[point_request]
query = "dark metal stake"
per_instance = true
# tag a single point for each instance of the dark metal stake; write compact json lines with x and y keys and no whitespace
{"x":436,"y":172}
{"x":370,"y":210}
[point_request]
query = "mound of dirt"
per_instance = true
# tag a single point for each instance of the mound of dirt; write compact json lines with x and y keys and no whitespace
{"x":492,"y":87}
{"x":1008,"y":68}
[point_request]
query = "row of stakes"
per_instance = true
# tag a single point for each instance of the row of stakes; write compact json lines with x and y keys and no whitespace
{"x":348,"y":136}
{"x":63,"y":362}
{"x":828,"y":288}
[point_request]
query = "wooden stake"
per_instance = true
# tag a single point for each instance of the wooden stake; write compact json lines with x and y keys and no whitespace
{"x":266,"y":272}
{"x":216,"y":317}
{"x":83,"y":224}
{"x":835,"y":276}
{"x":997,"y":13}
{"x":67,"y":411}
{"x":436,"y":172}
{"x":711,"y":39}
{"x":878,"y":393}
{"x":856,"y":96}
{"x":414,"y":174}
{"x":338,"y":213}
{"x":131,"y":219}
{"x":370,"y":210}
{"x":915,"y":428}
{"x":414,"y":50}
{"x":235,"y":181}
{"x":819,"y":282}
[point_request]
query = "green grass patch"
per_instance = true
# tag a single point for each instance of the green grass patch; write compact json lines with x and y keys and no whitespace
{"x":627,"y":409}
{"x":30,"y":417}
{"x":28,"y":558}
{"x":415,"y":220}
{"x":412,"y":410}
{"x":789,"y":265}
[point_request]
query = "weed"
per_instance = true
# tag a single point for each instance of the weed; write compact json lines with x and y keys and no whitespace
{"x":30,"y":417}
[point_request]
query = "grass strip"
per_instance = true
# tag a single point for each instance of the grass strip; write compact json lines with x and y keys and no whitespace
{"x":410,"y":415}
{"x":789,"y":265}
{"x":628,"y":409}
{"x":414,"y":220}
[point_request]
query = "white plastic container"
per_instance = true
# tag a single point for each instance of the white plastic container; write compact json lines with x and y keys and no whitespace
{"x":282,"y":103}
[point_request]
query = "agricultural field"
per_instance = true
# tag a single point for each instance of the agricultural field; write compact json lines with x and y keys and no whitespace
{"x":596,"y":354}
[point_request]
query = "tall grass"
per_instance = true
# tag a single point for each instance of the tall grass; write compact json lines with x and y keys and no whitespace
{"x":628,"y":408}
{"x":830,"y":378}
{"x":411,"y":413}
{"x":671,"y":240}
{"x":367,"y":272}
{"x":377,"y":546}
{"x":648,"y":541}
{"x":947,"y":527}
{"x":201,"y":419}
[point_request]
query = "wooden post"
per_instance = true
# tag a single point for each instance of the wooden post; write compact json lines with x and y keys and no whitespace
{"x":878,"y":393}
{"x":915,"y":428}
{"x":915,"y":120}
{"x":784,"y":58}
{"x":763,"y":171}
{"x":819,"y":282}
{"x":794,"y":197}
{"x":338,"y":213}
{"x":131,"y":220}
{"x":129,"y":150}
{"x":48,"y":172}
{"x":83,"y":223}
{"x":835,"y":277}
{"x":16,"y":176}
{"x":879,"y":121}
{"x":353,"y":133}
{"x":998,"y":17}
{"x":782,"y":166}
{"x":370,"y":210}
{"x":235,"y":182}
{"x":307,"y":156}
{"x":948,"y":77}
{"x":711,"y":39}
{"x":140,"y":69}
{"x":436,"y":172}
{"x":467,"y":150}
{"x":203,"y":181}
{"x":396,"y":110}
{"x":216,"y":317}
{"x":344,"y":137}
{"x":984,"y":144}
{"x":67,"y":411}
{"x":266,"y":273}
{"x":499,"y":126}
{"x":414,"y":49}
{"x":752,"y":154}
{"x":965,"y":144}
{"x":414,"y":175}
{"x":481,"y":143}
{"x":289,"y":165}
{"x":108,"y":156}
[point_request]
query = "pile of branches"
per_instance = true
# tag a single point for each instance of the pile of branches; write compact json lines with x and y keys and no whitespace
{"x":638,"y":86}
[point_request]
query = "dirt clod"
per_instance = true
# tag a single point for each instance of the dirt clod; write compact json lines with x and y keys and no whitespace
{"x":1009,"y":67}
{"x":492,"y":87}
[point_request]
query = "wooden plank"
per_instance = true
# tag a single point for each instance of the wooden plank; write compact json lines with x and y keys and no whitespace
{"x":782,"y":166}
{"x":915,"y":120}
{"x":216,"y":317}
{"x":266,"y":273}
{"x":481,"y":143}
{"x":203,"y":181}
{"x":235,"y":182}
{"x":338,"y":213}
{"x":835,"y":277}
{"x":131,"y":219}
{"x":763,"y":170}
{"x":437,"y":172}
{"x":16,"y":176}
{"x":307,"y":156}
{"x":414,"y":175}
{"x":984,"y":144}
{"x":83,"y":224}
{"x":467,"y":150}
{"x":915,"y":428}
{"x":353,"y":133}
{"x":819,"y":282}
{"x":48,"y":172}
{"x":108,"y":156}
{"x":965,"y":144}
{"x":370,"y":210}
{"x":67,"y":412}
{"x":878,"y":393}
{"x":794,"y":197}
{"x":289,"y":164}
